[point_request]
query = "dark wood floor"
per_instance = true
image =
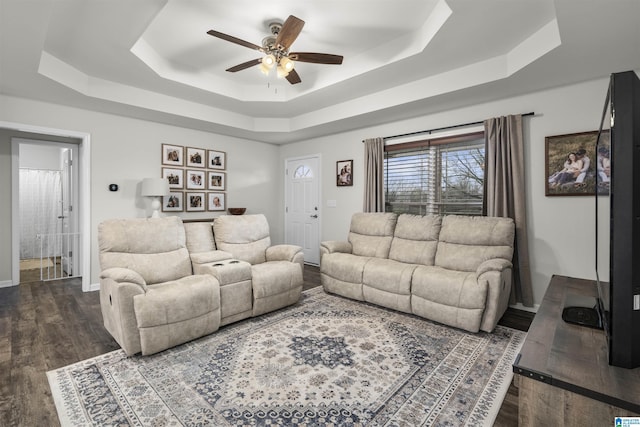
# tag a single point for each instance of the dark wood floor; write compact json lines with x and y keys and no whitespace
{"x":47,"y":325}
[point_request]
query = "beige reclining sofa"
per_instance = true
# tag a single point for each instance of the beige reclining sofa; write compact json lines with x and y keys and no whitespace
{"x":455,"y":270}
{"x":164,"y":283}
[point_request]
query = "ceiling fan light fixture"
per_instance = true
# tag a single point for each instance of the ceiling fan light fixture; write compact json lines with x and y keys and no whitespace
{"x":286,"y":64}
{"x":282,"y":72}
{"x":276,"y":50}
{"x":269,"y":61}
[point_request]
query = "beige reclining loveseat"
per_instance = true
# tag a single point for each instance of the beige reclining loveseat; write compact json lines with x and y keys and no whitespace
{"x":149,"y":297}
{"x":451,"y":269}
{"x":164,"y":283}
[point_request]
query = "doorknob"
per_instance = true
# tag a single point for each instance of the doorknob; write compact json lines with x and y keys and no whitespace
{"x":314,"y":216}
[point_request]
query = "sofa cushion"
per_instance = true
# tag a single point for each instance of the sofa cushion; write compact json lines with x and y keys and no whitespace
{"x":465,"y":242}
{"x":244,"y":236}
{"x":370,"y":234}
{"x":199,"y":237}
{"x":153,"y":247}
{"x":449,"y":287}
{"x":388,"y":275}
{"x":276,"y":284}
{"x":388,"y":283}
{"x":415,"y":239}
{"x":344,"y":267}
{"x":178,"y":311}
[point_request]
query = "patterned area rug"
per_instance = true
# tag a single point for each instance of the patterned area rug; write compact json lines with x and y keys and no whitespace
{"x":327,"y":361}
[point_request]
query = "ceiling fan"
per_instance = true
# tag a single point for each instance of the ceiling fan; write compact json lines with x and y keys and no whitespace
{"x":276,"y":49}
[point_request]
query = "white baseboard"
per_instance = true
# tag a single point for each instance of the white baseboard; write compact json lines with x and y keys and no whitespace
{"x":94,"y":287}
{"x":519,"y":306}
{"x":6,"y":283}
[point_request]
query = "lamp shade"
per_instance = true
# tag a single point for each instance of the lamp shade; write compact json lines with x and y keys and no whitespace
{"x":155,"y":187}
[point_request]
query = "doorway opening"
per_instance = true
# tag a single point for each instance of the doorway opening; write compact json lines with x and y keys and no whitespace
{"x":77,"y":260}
{"x":48,"y":224}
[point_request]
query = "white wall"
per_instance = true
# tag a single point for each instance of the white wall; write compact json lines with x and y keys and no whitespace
{"x":561,"y":229}
{"x":124,"y":151}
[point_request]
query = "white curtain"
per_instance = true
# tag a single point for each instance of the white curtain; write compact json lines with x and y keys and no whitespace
{"x":40,"y":206}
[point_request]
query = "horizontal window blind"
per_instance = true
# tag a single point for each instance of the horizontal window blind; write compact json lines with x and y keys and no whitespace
{"x":436,"y":176}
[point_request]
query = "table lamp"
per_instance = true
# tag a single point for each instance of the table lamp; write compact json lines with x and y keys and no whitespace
{"x":155,"y":188}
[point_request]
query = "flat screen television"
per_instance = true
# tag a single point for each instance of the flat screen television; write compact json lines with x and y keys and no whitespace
{"x":617,"y":236}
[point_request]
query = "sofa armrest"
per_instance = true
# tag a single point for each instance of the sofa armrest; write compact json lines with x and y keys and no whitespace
{"x":496,"y":264}
{"x":209,"y":256}
{"x":331,"y":246}
{"x":124,"y":275}
{"x":118,"y":286}
{"x":496,"y":273}
{"x":283,"y":253}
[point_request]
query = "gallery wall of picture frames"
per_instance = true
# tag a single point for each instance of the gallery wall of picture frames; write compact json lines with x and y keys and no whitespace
{"x":197,"y":179}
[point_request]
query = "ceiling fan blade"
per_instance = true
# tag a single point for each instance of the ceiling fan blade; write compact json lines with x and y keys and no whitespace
{"x":235,"y":40}
{"x":244,"y":65}
{"x":289,"y":31}
{"x":316,"y":58}
{"x":293,"y":77}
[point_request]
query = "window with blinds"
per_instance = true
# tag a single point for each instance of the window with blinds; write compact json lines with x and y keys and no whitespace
{"x":437,"y":176}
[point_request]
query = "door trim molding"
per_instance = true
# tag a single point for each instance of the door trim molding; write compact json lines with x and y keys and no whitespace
{"x":84,"y":215}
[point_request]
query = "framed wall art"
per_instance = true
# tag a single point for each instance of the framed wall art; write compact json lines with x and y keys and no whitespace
{"x":195,"y":202}
{"x":173,"y":202}
{"x":174,"y":176}
{"x":344,"y":173}
{"x":216,"y":201}
{"x":196,"y":180}
{"x":172,"y":155}
{"x":217,"y":160}
{"x":571,"y":164}
{"x":195,"y":157}
{"x":216,"y":180}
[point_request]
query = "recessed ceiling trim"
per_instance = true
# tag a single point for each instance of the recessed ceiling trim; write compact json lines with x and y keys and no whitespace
{"x":203,"y":80}
{"x":63,"y":73}
{"x":481,"y":72}
{"x":535,"y":46}
{"x":393,"y":51}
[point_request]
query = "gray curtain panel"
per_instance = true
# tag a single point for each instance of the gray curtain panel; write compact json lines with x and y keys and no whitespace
{"x":373,"y":175}
{"x":505,"y":194}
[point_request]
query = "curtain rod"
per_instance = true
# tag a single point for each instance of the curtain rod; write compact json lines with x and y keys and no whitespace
{"x":443,"y":128}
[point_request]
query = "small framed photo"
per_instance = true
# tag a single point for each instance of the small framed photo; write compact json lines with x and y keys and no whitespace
{"x":216,"y":201}
{"x":174,"y":176}
{"x":571,"y":163}
{"x":173,"y":202}
{"x":217,"y":160}
{"x":195,"y":157}
{"x":172,"y":155}
{"x":216,"y":180}
{"x":196,"y":180}
{"x":344,"y":173}
{"x":195,"y":202}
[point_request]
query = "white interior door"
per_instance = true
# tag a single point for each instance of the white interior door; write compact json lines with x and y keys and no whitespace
{"x":69,"y":217}
{"x":302,"y":206}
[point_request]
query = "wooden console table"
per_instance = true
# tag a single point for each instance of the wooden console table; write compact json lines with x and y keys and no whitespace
{"x":562,"y":372}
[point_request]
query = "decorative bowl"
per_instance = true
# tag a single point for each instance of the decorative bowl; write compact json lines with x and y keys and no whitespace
{"x":237,"y":211}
